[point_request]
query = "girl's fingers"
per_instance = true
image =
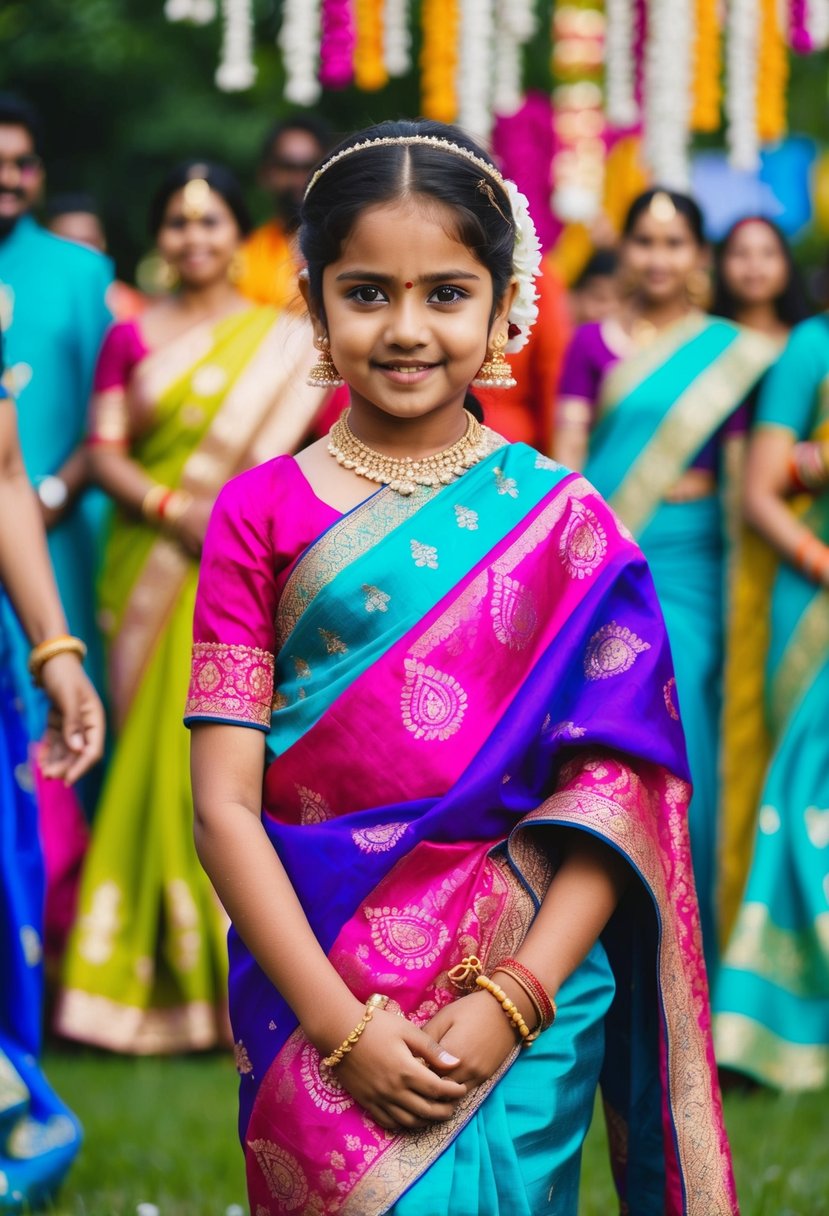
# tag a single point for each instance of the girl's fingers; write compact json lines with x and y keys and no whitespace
{"x":423,"y":1045}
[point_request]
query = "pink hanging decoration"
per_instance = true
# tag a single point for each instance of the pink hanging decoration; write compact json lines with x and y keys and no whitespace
{"x":800,"y":38}
{"x":337,"y":44}
{"x":640,"y":38}
{"x":523,"y":146}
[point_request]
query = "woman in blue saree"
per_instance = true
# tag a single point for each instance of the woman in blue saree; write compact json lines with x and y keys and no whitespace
{"x":462,"y":799}
{"x":772,"y":994}
{"x":651,"y":410}
{"x":39,"y":1137}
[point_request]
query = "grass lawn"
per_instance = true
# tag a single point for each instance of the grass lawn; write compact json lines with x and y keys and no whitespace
{"x":163,"y":1132}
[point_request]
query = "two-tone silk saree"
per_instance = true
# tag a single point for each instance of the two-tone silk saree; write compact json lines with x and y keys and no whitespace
{"x":146,"y":968}
{"x":445,"y":682}
{"x":659,"y":411}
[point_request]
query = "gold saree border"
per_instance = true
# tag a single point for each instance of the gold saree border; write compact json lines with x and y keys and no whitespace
{"x":804,"y":657}
{"x":629,"y":372}
{"x":697,"y":413}
{"x":703,"y":1164}
{"x":132,"y":1030}
{"x":750,"y":1047}
{"x":786,"y":958}
{"x":252,"y":414}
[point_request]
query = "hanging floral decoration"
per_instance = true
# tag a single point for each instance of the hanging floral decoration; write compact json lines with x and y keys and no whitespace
{"x":439,"y":59}
{"x":236,"y":70}
{"x":817,"y":15}
{"x":621,"y":104}
{"x":197,"y":12}
{"x":800,"y":39}
{"x":337,"y":44}
{"x":706,"y":87}
{"x":397,"y":39}
{"x":515,"y":24}
{"x":370,"y":72}
{"x":668,"y":77}
{"x":578,"y":113}
{"x":475,"y":65}
{"x":299,"y":40}
{"x":741,"y":78}
{"x":772,"y":74}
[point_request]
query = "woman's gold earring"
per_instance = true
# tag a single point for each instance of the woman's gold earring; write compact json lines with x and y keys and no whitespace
{"x":236,"y":267}
{"x":324,"y":374}
{"x":495,"y":371}
{"x":698,"y":288}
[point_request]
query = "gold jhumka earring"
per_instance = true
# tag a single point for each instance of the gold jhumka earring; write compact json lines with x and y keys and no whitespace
{"x":495,"y":371}
{"x":324,"y":374}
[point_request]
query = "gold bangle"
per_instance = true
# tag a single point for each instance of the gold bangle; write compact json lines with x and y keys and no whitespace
{"x":174,"y":507}
{"x":40,"y":655}
{"x":152,"y":500}
{"x":509,"y":1007}
{"x":375,"y":1001}
{"x":538,"y":1011}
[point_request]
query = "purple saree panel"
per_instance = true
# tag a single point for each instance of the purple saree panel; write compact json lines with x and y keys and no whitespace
{"x":535,"y":693}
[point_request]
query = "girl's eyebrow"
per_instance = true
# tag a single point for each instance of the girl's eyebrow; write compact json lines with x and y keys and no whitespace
{"x":372,"y":276}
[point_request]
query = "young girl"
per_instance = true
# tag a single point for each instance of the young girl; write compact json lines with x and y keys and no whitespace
{"x":464,"y":739}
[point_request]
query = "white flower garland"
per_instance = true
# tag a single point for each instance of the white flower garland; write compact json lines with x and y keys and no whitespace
{"x":668,"y":79}
{"x":397,"y":38}
{"x":620,"y":68}
{"x":299,"y":41}
{"x":236,"y":70}
{"x":475,"y":63}
{"x":526,"y":261}
{"x":743,"y":38}
{"x":817,"y":18}
{"x":515,"y":24}
{"x":198,"y":12}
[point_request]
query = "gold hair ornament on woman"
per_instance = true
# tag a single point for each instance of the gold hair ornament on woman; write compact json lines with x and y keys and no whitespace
{"x":662,"y":207}
{"x":195,"y":196}
{"x":403,"y":474}
{"x":40,"y":655}
{"x":495,"y":371}
{"x":375,"y":1001}
{"x":526,"y":256}
{"x":324,"y":373}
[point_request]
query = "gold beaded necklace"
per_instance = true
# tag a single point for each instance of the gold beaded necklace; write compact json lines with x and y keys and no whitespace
{"x":403,"y":474}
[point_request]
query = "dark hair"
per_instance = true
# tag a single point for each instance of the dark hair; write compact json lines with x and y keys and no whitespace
{"x":69,"y":203}
{"x":312,"y":124}
{"x":603,"y":264}
{"x":15,"y":111}
{"x":217,"y":177}
{"x":791,"y":306}
{"x":684,"y":204}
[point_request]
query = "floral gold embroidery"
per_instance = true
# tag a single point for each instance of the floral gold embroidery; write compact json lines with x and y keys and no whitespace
{"x":567,"y":730}
{"x":376,"y":600}
{"x":99,"y":925}
{"x":668,"y":693}
{"x":424,"y":555}
{"x":546,"y":462}
{"x":505,"y":485}
{"x":325,"y":1092}
{"x":333,"y":643}
{"x":433,"y":703}
{"x":302,"y":669}
{"x":514,"y":617}
{"x":408,"y":937}
{"x":283,"y":1174}
{"x":583,"y":542}
{"x":233,"y":682}
{"x":241,"y":1059}
{"x":466,"y":518}
{"x":379,"y":839}
{"x":184,"y":921}
{"x":313,"y":807}
{"x":280,"y":701}
{"x":769,"y":820}
{"x":612,"y":650}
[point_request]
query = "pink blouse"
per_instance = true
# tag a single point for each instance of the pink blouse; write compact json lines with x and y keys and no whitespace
{"x":122,"y":350}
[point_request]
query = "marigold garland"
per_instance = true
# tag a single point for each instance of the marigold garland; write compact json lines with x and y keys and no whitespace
{"x":706,"y":86}
{"x":439,"y":59}
{"x":772,"y":74}
{"x":370,"y":71}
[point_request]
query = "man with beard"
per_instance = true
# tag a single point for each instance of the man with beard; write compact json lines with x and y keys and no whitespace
{"x":53,"y":315}
{"x":270,"y":259}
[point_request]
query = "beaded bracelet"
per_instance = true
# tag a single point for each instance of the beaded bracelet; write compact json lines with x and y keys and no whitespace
{"x":511,"y":1010}
{"x":541,"y":1001}
{"x":40,"y":655}
{"x":375,"y":1001}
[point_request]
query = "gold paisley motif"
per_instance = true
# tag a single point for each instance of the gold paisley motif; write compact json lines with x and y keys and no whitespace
{"x":284,"y":1175}
{"x":514,"y":616}
{"x":241,"y":1059}
{"x":668,"y":693}
{"x":432,"y":703}
{"x":408,"y":937}
{"x":313,"y":808}
{"x":611,"y":651}
{"x":325,"y":1091}
{"x":379,"y":839}
{"x":583,"y":544}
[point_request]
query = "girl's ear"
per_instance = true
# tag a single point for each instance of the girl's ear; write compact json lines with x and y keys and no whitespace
{"x":500,"y":321}
{"x":313,"y":311}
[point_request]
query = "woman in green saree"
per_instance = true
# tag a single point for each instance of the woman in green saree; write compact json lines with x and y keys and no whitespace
{"x":187,"y":396}
{"x":651,"y":410}
{"x":772,"y":995}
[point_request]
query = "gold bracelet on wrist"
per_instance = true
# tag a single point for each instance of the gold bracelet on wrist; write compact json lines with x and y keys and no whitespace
{"x":152,"y":502}
{"x":174,"y":506}
{"x":375,"y":1001}
{"x":40,"y":655}
{"x":513,"y":1013}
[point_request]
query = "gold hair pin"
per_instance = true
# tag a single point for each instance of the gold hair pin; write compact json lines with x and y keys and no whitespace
{"x":485,"y":188}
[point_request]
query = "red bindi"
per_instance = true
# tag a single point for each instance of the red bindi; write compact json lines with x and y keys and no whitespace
{"x":408,"y":286}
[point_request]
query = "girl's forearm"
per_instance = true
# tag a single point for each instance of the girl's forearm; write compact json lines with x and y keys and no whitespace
{"x":25,"y":569}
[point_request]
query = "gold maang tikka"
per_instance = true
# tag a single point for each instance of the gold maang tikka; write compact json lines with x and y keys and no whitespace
{"x":662,"y":207}
{"x":196,"y":194}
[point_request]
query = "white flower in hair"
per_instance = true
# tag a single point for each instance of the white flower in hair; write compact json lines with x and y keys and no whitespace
{"x":526,"y":261}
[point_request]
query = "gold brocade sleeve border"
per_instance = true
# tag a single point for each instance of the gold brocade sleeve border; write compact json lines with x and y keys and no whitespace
{"x":231,"y":683}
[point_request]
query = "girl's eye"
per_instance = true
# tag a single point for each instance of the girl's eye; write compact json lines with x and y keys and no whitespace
{"x":448,"y":295}
{"x":367,"y":294}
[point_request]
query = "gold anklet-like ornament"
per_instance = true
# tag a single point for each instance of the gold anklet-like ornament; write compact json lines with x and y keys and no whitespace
{"x":405,"y":474}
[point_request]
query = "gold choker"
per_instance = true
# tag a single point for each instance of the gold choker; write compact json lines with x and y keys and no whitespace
{"x":404,"y":474}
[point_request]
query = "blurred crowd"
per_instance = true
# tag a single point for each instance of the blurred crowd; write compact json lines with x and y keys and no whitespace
{"x":690,"y":384}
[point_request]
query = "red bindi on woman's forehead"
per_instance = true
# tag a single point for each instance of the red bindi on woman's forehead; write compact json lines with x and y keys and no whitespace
{"x":408,"y":286}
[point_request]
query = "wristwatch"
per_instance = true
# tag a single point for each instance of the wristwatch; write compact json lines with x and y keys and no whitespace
{"x":52,"y":492}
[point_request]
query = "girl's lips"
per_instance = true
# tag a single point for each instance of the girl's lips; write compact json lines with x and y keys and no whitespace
{"x":400,"y":373}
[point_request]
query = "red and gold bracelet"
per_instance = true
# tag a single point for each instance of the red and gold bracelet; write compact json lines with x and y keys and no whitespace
{"x":541,"y":1000}
{"x":513,"y":1013}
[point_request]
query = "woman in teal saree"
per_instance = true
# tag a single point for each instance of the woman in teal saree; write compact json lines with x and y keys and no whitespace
{"x":656,"y":394}
{"x":772,"y":994}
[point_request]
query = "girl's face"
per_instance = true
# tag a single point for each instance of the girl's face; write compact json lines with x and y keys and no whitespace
{"x":200,"y":247}
{"x":659,"y":256}
{"x":754,"y":266}
{"x":408,"y":311}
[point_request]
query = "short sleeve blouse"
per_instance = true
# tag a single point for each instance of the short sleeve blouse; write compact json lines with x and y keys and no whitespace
{"x":790,"y":390}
